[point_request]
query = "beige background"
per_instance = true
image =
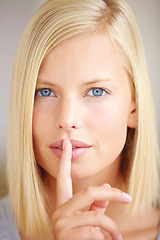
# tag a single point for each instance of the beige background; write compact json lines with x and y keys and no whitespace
{"x":14,"y":15}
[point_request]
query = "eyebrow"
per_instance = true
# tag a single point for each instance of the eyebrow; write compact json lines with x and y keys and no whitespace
{"x":48,"y":83}
{"x":97,"y":81}
{"x":45,"y":82}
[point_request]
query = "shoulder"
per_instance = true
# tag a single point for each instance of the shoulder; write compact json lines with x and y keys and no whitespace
{"x":148,"y":224}
{"x":141,"y":225}
{"x":8,"y":229}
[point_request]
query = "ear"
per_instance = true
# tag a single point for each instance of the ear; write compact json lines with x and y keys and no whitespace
{"x":133,"y":116}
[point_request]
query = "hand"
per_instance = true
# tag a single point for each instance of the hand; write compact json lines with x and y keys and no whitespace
{"x":69,"y":222}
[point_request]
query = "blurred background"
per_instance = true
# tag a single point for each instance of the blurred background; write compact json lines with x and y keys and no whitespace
{"x":14,"y":15}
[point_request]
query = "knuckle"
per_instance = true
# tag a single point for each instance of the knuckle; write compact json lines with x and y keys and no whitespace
{"x":89,"y":191}
{"x":96,"y":234}
{"x":58,"y":225}
{"x":100,"y":219}
{"x":59,"y":231}
{"x":88,"y":232}
{"x":91,"y":230}
{"x":92,"y":233}
{"x":97,"y":215}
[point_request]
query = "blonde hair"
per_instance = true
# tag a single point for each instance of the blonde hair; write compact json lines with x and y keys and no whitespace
{"x":54,"y":22}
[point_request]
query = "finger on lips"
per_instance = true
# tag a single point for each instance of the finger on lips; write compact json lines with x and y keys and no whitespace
{"x":64,"y":181}
{"x":67,"y":205}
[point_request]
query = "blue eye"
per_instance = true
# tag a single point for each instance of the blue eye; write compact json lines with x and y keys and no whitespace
{"x":45,"y":92}
{"x":97,"y":92}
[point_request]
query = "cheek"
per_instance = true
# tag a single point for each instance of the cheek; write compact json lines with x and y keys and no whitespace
{"x":37,"y":126}
{"x":111,"y":126}
{"x":41,"y":137}
{"x":40,"y":133}
{"x":40,"y":124}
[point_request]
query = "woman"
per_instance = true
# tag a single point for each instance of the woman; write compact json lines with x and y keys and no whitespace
{"x":82,"y":129}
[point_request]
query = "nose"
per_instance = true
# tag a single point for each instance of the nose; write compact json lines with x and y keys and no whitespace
{"x":67,"y":115}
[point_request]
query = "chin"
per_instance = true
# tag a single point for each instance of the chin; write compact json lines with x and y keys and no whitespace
{"x":76,"y":177}
{"x":82,"y":174}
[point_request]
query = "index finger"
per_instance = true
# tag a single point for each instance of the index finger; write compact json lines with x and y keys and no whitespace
{"x":64,"y":181}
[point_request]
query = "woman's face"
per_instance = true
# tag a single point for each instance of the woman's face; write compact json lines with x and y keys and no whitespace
{"x":83,"y":94}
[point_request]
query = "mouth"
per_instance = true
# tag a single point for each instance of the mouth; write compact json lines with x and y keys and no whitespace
{"x":78,"y":148}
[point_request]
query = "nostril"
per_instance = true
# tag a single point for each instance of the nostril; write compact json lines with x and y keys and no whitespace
{"x":67,"y":126}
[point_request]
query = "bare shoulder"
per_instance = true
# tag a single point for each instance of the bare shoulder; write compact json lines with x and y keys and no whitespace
{"x":143,"y":225}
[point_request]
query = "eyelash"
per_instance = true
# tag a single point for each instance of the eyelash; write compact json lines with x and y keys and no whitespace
{"x":39,"y":92}
{"x":103,"y":92}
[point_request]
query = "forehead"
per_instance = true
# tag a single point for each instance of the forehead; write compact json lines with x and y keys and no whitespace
{"x":88,"y":57}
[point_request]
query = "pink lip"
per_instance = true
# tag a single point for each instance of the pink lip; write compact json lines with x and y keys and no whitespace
{"x":78,"y":150}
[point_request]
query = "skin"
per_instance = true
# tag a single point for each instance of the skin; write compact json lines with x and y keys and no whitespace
{"x":79,"y":189}
{"x":74,"y":113}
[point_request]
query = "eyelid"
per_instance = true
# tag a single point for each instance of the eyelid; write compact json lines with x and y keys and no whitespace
{"x":104,"y":89}
{"x":39,"y":89}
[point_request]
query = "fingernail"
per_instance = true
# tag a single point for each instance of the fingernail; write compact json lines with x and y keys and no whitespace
{"x":127,"y":196}
{"x":107,"y":185}
{"x":98,"y":228}
{"x":79,"y":212}
{"x":63,"y":144}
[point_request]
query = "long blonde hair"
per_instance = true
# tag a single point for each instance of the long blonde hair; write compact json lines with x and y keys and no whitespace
{"x":54,"y":22}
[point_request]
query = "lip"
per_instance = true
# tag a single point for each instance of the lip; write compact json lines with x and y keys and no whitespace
{"x":78,"y":148}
